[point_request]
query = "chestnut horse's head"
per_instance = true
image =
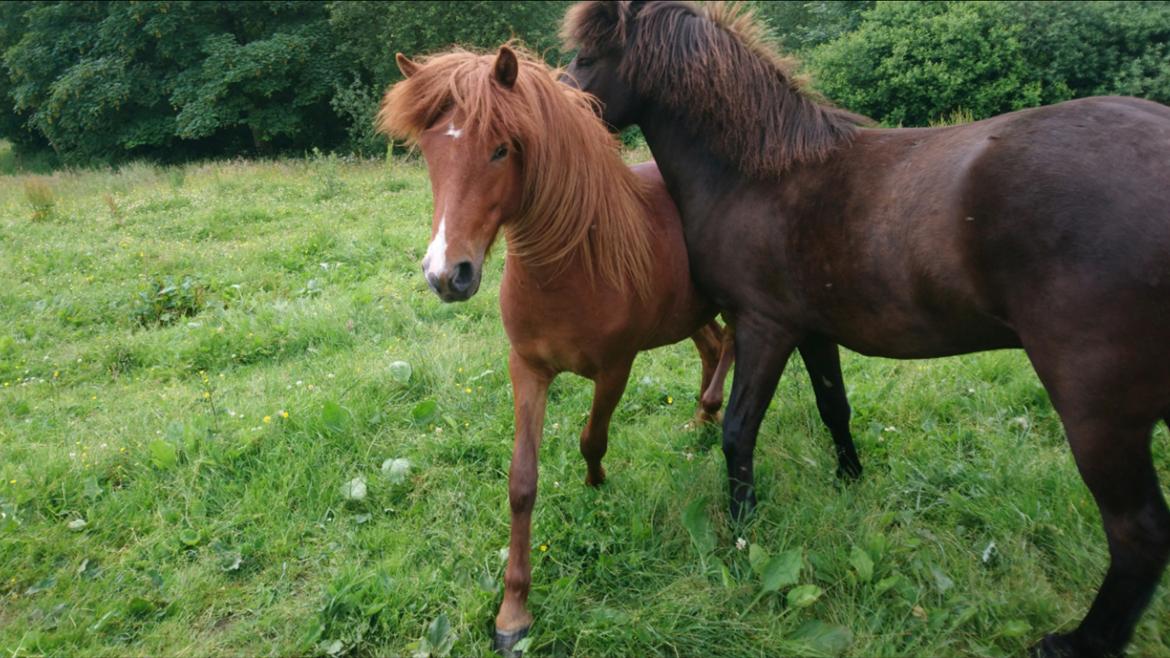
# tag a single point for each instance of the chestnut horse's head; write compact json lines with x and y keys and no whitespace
{"x":509,"y":148}
{"x":476,"y":184}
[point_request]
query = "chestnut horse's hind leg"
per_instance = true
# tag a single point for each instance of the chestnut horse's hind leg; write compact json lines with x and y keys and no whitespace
{"x":530,"y":391}
{"x":717,"y":349}
{"x":823,"y":363}
{"x":608,"y":387}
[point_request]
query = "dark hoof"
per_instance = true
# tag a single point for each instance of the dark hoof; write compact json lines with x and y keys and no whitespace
{"x":1052,"y":646}
{"x":741,"y":511}
{"x":1068,"y":645}
{"x":850,"y":472}
{"x":502,"y":642}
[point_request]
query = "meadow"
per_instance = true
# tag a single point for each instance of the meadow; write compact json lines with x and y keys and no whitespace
{"x":234,"y":421}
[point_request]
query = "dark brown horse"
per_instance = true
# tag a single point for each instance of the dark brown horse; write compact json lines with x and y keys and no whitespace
{"x":1046,"y":229}
{"x":596,"y":267}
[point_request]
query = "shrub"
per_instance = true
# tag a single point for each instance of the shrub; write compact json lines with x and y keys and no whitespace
{"x":913,"y":63}
{"x":916,"y":63}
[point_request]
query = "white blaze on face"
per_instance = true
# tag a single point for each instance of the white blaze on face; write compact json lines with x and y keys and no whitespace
{"x":454,"y":132}
{"x":436,"y":258}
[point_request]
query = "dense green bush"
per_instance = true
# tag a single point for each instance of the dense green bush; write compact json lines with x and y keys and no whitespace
{"x":101,"y":82}
{"x":913,"y":63}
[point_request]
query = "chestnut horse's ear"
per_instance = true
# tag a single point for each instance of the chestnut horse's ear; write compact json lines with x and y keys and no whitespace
{"x":506,"y":67}
{"x":405,"y":65}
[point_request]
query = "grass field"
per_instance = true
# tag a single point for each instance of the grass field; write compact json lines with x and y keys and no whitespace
{"x":200,"y":386}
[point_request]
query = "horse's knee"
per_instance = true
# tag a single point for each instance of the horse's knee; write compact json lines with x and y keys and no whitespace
{"x":521,"y":494}
{"x":1143,"y":538}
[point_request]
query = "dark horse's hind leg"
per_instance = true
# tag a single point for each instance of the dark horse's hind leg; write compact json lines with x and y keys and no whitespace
{"x":823,"y":363}
{"x":1111,"y":443}
{"x":1116,"y":465}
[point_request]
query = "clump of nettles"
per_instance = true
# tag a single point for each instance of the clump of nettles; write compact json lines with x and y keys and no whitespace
{"x":166,"y":300}
{"x":39,"y":195}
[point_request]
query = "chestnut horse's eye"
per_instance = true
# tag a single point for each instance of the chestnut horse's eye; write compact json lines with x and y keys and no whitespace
{"x":584,"y":62}
{"x":500,"y":152}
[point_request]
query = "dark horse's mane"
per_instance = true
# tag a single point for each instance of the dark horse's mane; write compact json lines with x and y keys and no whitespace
{"x":713,"y":65}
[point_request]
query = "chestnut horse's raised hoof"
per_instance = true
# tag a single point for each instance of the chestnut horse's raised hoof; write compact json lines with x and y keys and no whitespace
{"x":596,"y":267}
{"x":1046,"y":229}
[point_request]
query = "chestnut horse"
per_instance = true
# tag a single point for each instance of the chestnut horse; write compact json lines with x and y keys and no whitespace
{"x":596,"y":269}
{"x":1046,"y":229}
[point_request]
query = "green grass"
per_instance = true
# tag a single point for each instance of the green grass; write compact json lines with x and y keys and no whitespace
{"x":214,"y":525}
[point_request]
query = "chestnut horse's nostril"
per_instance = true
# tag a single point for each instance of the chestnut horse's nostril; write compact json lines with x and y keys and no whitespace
{"x":432,"y":280}
{"x":464,"y":277}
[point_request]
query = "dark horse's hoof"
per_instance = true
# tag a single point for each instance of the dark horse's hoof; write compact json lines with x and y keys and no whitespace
{"x":849,"y":471}
{"x":1068,"y":645}
{"x":503,"y":642}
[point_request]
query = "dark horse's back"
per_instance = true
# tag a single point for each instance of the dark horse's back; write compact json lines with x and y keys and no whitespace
{"x":1076,"y":249}
{"x":1051,"y":221}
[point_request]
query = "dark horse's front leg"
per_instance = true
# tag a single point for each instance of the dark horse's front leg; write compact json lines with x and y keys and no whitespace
{"x":823,"y":363}
{"x":761,"y":352}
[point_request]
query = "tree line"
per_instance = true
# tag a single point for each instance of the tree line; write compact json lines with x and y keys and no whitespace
{"x":104,"y":82}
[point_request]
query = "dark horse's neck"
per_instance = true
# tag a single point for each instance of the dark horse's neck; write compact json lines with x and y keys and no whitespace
{"x":694,"y":174}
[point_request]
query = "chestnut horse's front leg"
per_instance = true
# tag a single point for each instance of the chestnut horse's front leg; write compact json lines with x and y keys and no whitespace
{"x":530,"y":391}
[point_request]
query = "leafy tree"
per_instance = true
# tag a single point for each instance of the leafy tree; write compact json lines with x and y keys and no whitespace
{"x":107,"y":81}
{"x":369,"y":34}
{"x":800,"y":26}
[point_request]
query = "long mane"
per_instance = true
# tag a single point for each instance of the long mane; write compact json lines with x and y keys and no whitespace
{"x":579,"y":199}
{"x":712,"y":64}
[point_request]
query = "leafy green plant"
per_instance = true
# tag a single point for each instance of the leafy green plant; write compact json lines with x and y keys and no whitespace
{"x":166,"y":300}
{"x":326,"y":167}
{"x":438,"y":639}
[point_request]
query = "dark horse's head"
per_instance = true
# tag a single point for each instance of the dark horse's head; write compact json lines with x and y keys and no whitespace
{"x":709,"y":66}
{"x":599,"y":31}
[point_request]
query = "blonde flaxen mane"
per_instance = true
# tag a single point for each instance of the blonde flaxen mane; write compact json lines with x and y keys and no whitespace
{"x":579,"y":199}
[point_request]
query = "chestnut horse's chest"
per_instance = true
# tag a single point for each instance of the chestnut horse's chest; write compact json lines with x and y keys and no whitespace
{"x":568,"y":323}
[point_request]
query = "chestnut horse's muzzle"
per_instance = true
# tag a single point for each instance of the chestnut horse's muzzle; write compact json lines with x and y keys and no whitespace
{"x":455,"y":284}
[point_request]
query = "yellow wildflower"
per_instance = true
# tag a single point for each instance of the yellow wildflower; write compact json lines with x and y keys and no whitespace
{"x":267,"y":419}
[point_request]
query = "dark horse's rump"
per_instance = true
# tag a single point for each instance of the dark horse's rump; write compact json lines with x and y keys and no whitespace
{"x":1047,"y":229}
